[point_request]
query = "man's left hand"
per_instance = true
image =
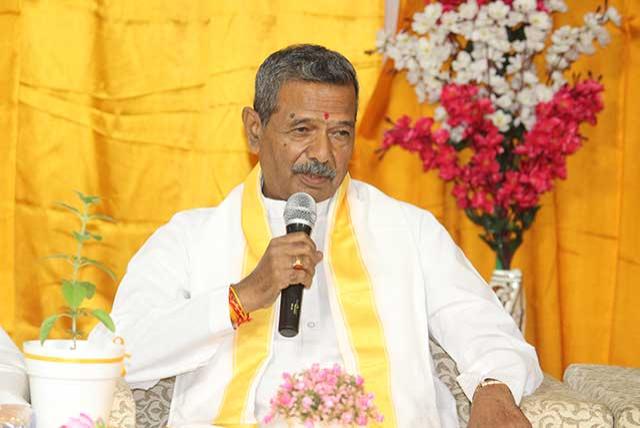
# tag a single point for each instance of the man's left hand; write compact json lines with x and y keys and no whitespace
{"x":493,"y":406}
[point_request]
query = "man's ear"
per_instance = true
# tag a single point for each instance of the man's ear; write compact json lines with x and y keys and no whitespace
{"x":253,"y":128}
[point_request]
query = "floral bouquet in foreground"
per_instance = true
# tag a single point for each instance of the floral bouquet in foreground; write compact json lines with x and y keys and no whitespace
{"x":84,"y":421}
{"x":325,"y":396}
{"x":502,"y":129}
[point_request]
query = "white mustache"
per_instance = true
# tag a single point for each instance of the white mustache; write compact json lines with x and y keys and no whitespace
{"x":315,"y":168}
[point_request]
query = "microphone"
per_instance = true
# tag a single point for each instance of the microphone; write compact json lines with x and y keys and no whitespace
{"x":299,"y":216}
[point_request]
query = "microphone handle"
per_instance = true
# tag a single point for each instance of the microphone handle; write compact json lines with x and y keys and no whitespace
{"x":291,"y":297}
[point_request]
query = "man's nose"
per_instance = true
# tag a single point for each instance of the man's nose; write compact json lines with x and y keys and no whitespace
{"x":320,"y":148}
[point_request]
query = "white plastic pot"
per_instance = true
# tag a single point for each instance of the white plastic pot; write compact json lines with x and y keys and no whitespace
{"x":65,"y":382}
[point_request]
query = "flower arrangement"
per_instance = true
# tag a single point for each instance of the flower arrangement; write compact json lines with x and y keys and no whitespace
{"x":84,"y":421}
{"x":500,"y":134}
{"x":323,"y":396}
{"x":74,"y":290}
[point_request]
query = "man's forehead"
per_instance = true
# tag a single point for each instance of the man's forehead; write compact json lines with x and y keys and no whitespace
{"x":312,"y":99}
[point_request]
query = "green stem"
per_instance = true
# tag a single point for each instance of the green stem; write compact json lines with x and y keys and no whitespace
{"x":76,"y":269}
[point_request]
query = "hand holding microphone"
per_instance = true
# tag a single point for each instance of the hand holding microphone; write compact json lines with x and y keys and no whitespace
{"x":289,"y":259}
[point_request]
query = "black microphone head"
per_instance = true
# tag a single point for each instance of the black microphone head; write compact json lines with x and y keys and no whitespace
{"x":300,"y":208}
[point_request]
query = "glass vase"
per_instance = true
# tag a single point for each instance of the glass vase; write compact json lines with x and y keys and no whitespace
{"x":507,"y":284}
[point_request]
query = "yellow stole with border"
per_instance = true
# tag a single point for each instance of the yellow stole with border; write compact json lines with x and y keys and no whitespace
{"x":354,"y":292}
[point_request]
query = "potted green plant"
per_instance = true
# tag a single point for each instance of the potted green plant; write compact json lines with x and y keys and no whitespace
{"x":72,"y":376}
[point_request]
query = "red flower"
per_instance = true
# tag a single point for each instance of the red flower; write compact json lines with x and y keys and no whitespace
{"x":491,"y":178}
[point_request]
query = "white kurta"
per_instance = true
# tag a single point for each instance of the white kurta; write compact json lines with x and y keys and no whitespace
{"x":14,"y":384}
{"x":172,"y":310}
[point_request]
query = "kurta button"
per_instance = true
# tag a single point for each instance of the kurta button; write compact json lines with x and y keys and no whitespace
{"x":311,"y":324}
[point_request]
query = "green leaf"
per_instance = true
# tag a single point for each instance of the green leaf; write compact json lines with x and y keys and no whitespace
{"x":46,"y":326}
{"x":90,"y":289}
{"x":528,"y":216}
{"x":489,"y":242}
{"x":86,"y":261}
{"x":104,"y":318}
{"x":69,"y":208}
{"x":102,"y":217}
{"x":96,"y":236}
{"x":73,"y":294}
{"x":81,"y":237}
{"x":88,"y":199}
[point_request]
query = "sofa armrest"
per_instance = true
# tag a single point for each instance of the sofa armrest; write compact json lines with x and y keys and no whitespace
{"x":123,"y":410}
{"x":554,"y":404}
{"x":153,"y":404}
{"x":616,"y":387}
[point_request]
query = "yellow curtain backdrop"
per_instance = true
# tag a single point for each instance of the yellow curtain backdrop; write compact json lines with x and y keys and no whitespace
{"x":140,"y":102}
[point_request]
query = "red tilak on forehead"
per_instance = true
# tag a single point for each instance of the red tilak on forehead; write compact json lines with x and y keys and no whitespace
{"x":326,"y":116}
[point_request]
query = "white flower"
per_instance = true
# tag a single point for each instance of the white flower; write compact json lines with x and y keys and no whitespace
{"x":525,"y":5}
{"x":463,"y":77}
{"x":527,"y":97}
{"x":482,"y":18}
{"x":456,"y":133}
{"x":552,"y":59}
{"x":544,"y":93}
{"x":527,"y":118}
{"x":614,"y":16}
{"x":571,"y":55}
{"x":464,"y":28}
{"x":558,"y":80}
{"x":540,"y":20}
{"x":515,"y":18}
{"x":591,"y":20}
{"x":557,"y":6}
{"x":529,"y":78}
{"x":480,"y":51}
{"x":497,"y":10}
{"x":421,"y":93}
{"x":462,"y":61}
{"x":479,"y":66}
{"x":515,"y":64}
{"x":518,"y":46}
{"x":603,"y":36}
{"x":585,"y":43}
{"x":381,"y":40}
{"x":535,"y":38}
{"x":501,"y":120}
{"x":449,"y":18}
{"x":499,"y":84}
{"x":468,"y":10}
{"x":425,"y":21}
{"x":564,"y":35}
{"x":505,"y":101}
{"x":440,"y":114}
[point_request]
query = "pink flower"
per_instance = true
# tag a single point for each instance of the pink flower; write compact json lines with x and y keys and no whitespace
{"x":322,"y":395}
{"x":82,"y":421}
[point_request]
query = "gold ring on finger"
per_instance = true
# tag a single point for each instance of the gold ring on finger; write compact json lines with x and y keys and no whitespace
{"x":297,"y":263}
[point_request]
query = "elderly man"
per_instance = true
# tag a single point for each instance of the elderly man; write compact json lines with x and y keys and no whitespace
{"x":199,"y":300}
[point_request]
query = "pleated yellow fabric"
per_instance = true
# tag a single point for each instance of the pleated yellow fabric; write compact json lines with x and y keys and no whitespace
{"x":140,"y":101}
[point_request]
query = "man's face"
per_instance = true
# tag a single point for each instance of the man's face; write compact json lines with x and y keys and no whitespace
{"x":308,"y":141}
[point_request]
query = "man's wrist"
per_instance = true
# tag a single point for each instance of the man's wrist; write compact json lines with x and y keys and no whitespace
{"x":237,"y":312}
{"x":494,"y":387}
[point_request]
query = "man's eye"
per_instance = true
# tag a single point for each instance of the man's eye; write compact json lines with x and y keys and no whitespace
{"x":343,"y":133}
{"x":301,"y":130}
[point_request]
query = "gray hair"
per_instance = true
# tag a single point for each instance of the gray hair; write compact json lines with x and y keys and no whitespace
{"x":307,"y":63}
